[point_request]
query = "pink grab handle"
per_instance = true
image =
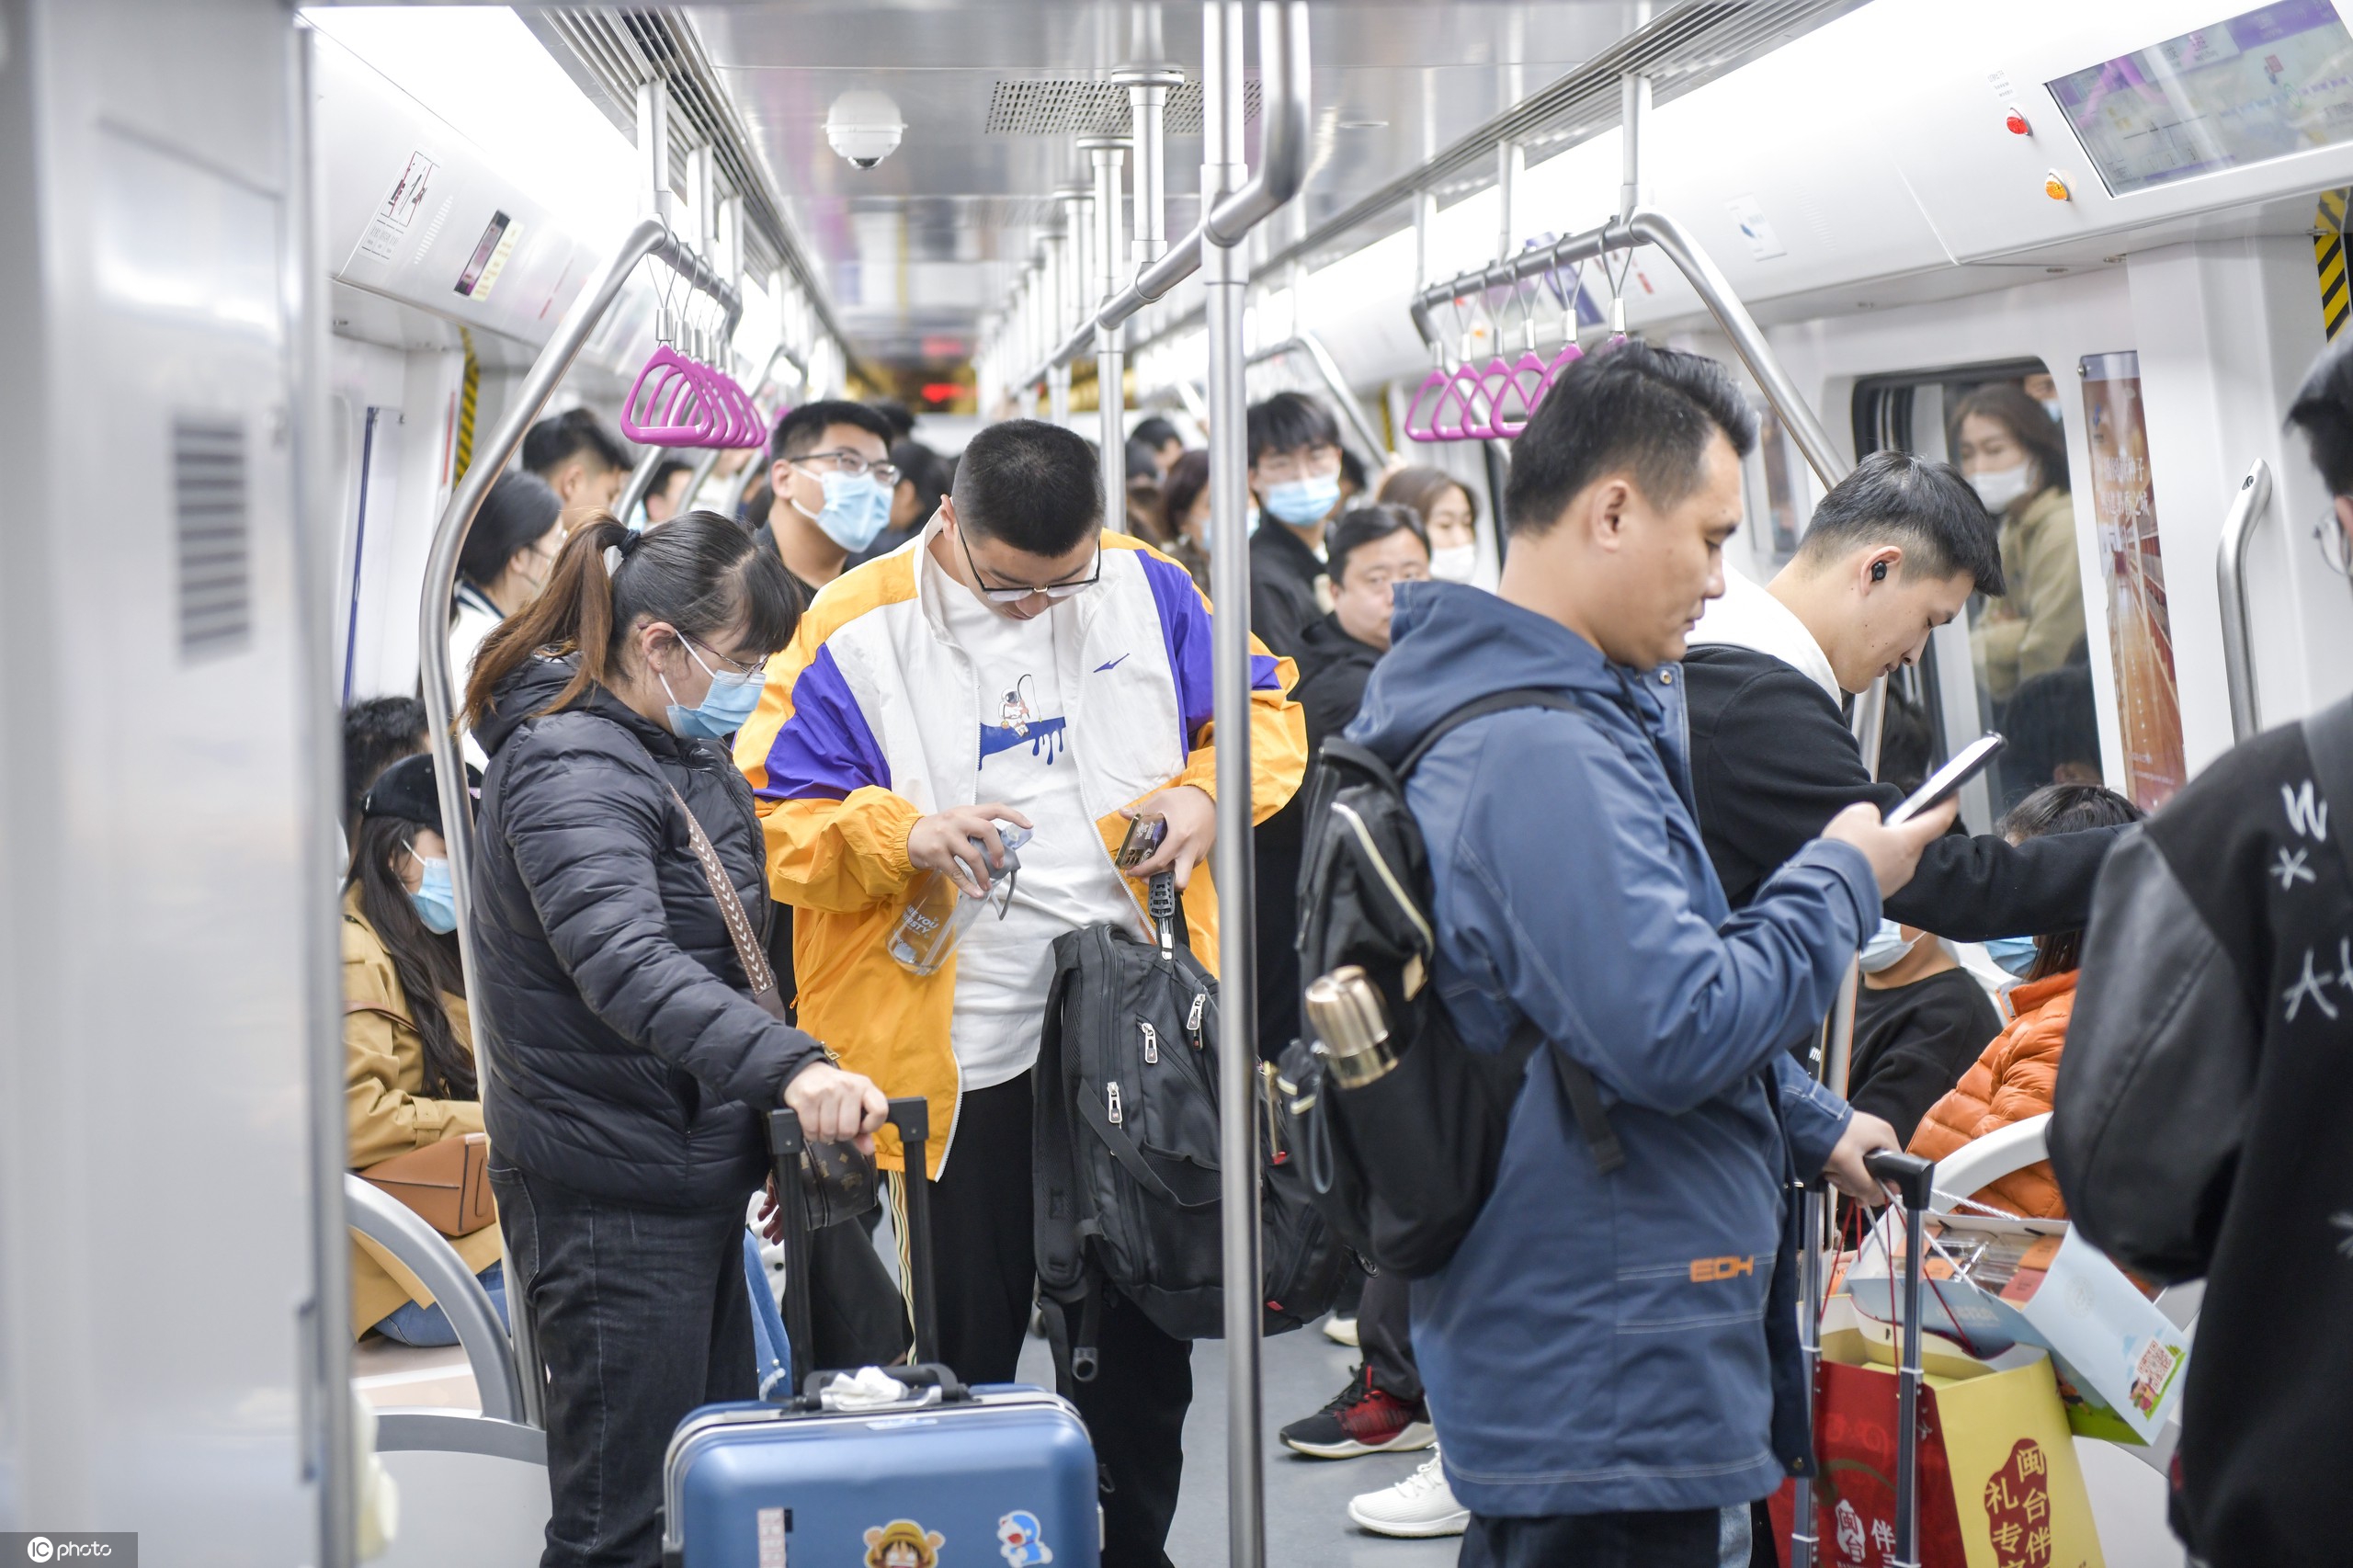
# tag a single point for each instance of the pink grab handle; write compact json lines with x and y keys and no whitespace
{"x":1523,"y":388}
{"x":665,"y":406}
{"x":1423,"y":409}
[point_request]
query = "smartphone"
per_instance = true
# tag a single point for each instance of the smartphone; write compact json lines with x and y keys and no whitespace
{"x":1966,"y":765}
{"x":1143,"y":838}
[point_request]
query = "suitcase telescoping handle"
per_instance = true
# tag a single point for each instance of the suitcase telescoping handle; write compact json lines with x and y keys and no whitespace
{"x":1914,"y":1180}
{"x":911,"y":1117}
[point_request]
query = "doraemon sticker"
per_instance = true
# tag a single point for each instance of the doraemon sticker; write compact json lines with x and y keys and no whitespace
{"x":1021,"y":1540}
{"x":903,"y":1543}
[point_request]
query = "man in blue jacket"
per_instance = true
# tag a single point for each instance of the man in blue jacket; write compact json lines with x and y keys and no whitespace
{"x":1600,"y":1357}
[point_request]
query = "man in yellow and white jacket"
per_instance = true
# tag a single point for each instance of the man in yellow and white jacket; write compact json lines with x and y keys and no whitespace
{"x":1014,"y":663}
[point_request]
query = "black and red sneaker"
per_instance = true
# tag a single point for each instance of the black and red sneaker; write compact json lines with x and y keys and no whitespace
{"x":1361,"y":1419}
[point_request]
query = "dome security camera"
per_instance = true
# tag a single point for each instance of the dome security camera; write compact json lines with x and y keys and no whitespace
{"x":864,"y":127}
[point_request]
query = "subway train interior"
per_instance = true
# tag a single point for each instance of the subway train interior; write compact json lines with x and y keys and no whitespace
{"x":312,"y":285}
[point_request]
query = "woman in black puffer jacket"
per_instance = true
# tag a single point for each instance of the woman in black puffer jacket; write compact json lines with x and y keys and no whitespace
{"x":632,"y":1064}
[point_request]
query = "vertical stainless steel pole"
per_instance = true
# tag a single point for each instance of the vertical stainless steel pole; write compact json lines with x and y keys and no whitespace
{"x":1109,"y":154}
{"x":1511,"y":163}
{"x":1633,"y":109}
{"x":1226,"y":277}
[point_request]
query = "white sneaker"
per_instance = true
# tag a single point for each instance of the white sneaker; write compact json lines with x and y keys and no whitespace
{"x":1341,"y":1330}
{"x":1420,"y":1505}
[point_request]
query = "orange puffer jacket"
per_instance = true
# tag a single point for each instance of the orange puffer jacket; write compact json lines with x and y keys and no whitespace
{"x":2010,"y":1082}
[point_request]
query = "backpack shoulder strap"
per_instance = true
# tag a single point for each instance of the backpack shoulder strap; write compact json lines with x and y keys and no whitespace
{"x":1479,"y":707}
{"x":1582,"y":1093}
{"x":2328,"y":736}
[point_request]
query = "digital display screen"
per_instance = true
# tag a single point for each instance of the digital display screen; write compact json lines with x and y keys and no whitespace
{"x":2263,"y":84}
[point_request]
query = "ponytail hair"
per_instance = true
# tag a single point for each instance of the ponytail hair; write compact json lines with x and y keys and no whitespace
{"x":698,"y":572}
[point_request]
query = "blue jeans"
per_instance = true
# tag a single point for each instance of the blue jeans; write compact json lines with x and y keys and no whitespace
{"x":430,"y":1326}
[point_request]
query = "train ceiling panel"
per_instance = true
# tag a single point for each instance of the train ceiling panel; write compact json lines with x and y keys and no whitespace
{"x":994,"y":95}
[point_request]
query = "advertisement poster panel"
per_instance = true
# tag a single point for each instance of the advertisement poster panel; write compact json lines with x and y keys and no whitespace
{"x":2140,"y":631}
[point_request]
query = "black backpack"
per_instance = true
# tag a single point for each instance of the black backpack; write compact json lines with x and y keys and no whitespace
{"x":1402,"y":1165}
{"x":1125,"y":1143}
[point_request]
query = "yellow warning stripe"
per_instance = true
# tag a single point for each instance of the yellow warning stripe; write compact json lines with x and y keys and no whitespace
{"x":469,"y":389}
{"x":2328,"y":258}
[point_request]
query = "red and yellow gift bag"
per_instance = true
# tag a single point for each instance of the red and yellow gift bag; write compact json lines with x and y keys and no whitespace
{"x":2000,"y":1483}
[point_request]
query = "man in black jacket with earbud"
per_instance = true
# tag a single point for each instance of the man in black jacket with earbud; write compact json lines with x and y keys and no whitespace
{"x":1893,"y":551}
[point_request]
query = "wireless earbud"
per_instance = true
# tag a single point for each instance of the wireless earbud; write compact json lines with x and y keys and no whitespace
{"x":1878,"y":571}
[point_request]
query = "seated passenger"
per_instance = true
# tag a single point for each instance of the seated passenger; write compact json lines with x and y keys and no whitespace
{"x":1186,"y":501}
{"x":504,"y":563}
{"x":1295,"y":480}
{"x":667,"y":490}
{"x":1372,"y":550}
{"x":2012,"y":1080}
{"x":1920,"y":1021}
{"x":864,"y":756}
{"x":2014,"y":457}
{"x":1895,"y":550}
{"x":407,"y":1043}
{"x":1602,"y":1398}
{"x":584,"y":463}
{"x":1450,"y":518}
{"x":634,"y":1061}
{"x":832,"y":482}
{"x":377,"y":733}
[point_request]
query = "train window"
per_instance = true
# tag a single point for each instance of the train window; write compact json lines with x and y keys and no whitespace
{"x":2022,"y":664}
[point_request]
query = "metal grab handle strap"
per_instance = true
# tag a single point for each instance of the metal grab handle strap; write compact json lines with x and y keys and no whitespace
{"x":652,"y":237}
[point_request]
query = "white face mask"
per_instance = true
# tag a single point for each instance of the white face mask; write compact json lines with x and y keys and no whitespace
{"x":2000,"y":487}
{"x":1454,"y":562}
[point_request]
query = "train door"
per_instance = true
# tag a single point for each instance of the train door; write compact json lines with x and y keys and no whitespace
{"x":2020,"y":663}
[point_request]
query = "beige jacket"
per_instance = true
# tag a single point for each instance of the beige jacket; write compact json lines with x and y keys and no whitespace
{"x":387,"y":1112}
{"x":2037,"y":625}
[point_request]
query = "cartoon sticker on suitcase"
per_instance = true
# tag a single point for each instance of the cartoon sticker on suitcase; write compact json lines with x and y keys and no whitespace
{"x":903,"y":1543}
{"x":1021,"y":1540}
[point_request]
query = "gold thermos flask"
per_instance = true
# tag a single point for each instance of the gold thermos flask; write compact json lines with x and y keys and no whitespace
{"x":1344,"y":1008}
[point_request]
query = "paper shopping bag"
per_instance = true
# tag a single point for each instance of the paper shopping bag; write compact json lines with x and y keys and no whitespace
{"x":1999,"y":1483}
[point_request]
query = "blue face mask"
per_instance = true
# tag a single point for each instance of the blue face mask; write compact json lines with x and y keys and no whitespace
{"x":1300,"y":502}
{"x":1886,"y":948}
{"x":857,"y":508}
{"x":2014,"y":954}
{"x":733,"y":695}
{"x":435,"y":901}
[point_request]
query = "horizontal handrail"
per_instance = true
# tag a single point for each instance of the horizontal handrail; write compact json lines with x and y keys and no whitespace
{"x":421,"y":1249}
{"x":1282,"y":169}
{"x":1650,"y":226}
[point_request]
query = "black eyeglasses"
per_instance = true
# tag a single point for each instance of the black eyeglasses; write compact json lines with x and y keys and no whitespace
{"x":842,"y":460}
{"x":2334,"y":548}
{"x":1014,"y":593}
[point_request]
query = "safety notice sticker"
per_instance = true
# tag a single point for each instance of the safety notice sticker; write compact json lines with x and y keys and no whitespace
{"x":390,"y":224}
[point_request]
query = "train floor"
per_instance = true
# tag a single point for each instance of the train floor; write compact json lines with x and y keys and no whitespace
{"x":1307,"y":1499}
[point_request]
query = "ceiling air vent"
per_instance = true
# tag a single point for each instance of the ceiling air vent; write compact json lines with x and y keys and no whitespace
{"x":1085,"y":107}
{"x":209,"y":518}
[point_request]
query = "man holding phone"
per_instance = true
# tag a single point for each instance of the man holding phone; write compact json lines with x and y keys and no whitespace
{"x":1610,"y":1357}
{"x":1017,"y":663}
{"x":1893,"y":551}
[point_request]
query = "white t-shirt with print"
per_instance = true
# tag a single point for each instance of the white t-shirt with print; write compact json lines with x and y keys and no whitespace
{"x":1003,"y":967}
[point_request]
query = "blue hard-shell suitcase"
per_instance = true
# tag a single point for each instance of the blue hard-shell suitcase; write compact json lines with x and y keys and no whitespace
{"x":952,"y":1477}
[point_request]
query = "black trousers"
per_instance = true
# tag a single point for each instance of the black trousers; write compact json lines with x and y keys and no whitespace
{"x":985,"y":1263}
{"x":1386,"y":1331}
{"x":1683,"y":1539}
{"x":641,"y":1315}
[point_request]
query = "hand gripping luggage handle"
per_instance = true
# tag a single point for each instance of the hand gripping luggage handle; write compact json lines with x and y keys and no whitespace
{"x":785,"y":1143}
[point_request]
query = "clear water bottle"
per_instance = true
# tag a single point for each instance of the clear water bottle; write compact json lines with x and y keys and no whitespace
{"x":937,"y":910}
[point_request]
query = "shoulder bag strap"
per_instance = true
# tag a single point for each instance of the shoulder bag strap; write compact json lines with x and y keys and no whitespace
{"x":2328,"y":736}
{"x":731,"y":910}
